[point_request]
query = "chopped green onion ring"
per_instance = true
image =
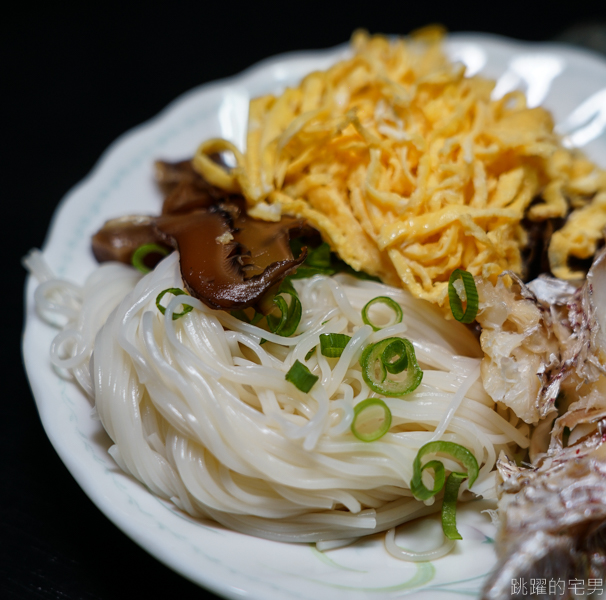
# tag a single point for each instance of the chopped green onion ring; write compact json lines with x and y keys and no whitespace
{"x":318,"y":261}
{"x":305,"y":272}
{"x":322,"y":261}
{"x":333,"y":344}
{"x":471,"y":293}
{"x":382,"y":300}
{"x":290,"y":316}
{"x":175,"y":292}
{"x":301,"y":377}
{"x":449,"y":505}
{"x":276,"y":324}
{"x":457,"y":451}
{"x":363,"y":415}
{"x":242,"y":316}
{"x":390,"y":355}
{"x":376,"y":357}
{"x":319,"y":257}
{"x":142,"y":251}
{"x":453,"y":482}
{"x":310,"y":353}
{"x":423,"y":493}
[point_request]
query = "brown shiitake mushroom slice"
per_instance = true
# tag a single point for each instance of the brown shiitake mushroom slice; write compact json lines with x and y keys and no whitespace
{"x":187,"y":196}
{"x":118,"y":239}
{"x":170,"y":174}
{"x":186,"y":189}
{"x":229,"y":260}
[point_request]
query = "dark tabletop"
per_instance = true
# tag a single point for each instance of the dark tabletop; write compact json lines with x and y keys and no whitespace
{"x":74,"y":79}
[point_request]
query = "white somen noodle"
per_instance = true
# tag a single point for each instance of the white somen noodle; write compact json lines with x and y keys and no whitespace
{"x":199,"y":409}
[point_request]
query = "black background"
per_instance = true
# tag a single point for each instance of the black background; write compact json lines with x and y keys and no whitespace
{"x":73,"y":79}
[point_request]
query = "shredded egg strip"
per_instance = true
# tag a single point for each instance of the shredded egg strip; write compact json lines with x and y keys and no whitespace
{"x":410,"y":169}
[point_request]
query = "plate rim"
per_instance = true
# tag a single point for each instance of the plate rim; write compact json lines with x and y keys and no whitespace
{"x":73,"y":463}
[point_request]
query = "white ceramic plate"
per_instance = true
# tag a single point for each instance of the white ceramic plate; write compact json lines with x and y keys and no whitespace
{"x":570,"y":82}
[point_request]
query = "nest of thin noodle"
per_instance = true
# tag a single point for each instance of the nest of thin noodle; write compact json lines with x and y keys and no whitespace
{"x":410,"y":169}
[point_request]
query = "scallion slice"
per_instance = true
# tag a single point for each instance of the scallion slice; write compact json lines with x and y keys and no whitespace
{"x":395,"y":357}
{"x":318,"y":261}
{"x":290,"y":315}
{"x":397,"y":309}
{"x":453,"y":482}
{"x":470,"y":296}
{"x":449,"y":505}
{"x":457,"y":452}
{"x":242,"y":316}
{"x":376,"y":358}
{"x":139,"y":255}
{"x":276,"y":324}
{"x":319,"y":257}
{"x":301,"y":377}
{"x":321,"y":261}
{"x":419,"y":490}
{"x":310,"y":353}
{"x":175,"y":292}
{"x":372,"y":420}
{"x":333,"y":344}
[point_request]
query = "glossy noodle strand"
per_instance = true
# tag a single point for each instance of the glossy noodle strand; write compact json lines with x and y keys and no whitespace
{"x":201,"y":413}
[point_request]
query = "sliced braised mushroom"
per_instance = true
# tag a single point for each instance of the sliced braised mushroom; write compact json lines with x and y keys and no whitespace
{"x":170,"y":174}
{"x":119,"y":238}
{"x":228,"y":259}
{"x":186,"y":189}
{"x":187,"y":196}
{"x":534,"y":254}
{"x":229,"y":267}
{"x":265,"y":242}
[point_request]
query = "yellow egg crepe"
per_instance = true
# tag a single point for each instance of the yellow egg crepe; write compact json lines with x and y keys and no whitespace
{"x":410,"y":169}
